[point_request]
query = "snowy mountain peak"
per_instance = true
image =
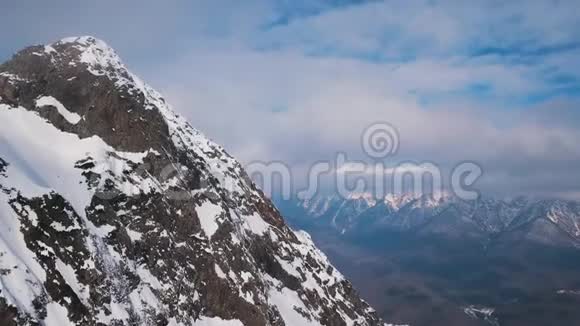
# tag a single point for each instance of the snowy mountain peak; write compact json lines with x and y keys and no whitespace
{"x":95,"y":53}
{"x":396,"y":201}
{"x":120,"y":213}
{"x":85,"y":41}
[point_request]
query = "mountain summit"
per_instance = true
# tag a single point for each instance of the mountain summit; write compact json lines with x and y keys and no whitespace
{"x":115,"y":211}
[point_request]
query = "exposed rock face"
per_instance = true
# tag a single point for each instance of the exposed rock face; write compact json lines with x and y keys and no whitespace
{"x":115,"y":211}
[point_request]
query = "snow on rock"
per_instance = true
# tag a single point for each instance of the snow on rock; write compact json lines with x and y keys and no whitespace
{"x":97,"y":55}
{"x":216,"y":321}
{"x":208,"y":214}
{"x":22,"y":278}
{"x":57,"y":315}
{"x":71,"y":117}
{"x":483,"y":313}
{"x":291,"y":307}
{"x":49,"y":168}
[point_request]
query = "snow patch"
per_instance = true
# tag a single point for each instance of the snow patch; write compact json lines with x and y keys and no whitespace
{"x":287,"y":302}
{"x":216,"y":321}
{"x":71,"y":117}
{"x":219,"y":272}
{"x":255,"y":224}
{"x":25,"y":280}
{"x":69,"y":275}
{"x":56,"y":315}
{"x":208,"y":213}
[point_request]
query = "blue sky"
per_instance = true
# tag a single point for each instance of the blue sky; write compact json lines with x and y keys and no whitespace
{"x":497,"y":82}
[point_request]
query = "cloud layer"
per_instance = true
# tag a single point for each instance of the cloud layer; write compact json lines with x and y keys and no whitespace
{"x":496,"y":83}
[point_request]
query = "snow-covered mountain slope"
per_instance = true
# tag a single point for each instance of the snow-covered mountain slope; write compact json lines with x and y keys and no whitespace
{"x":541,"y":220}
{"x":115,"y":211}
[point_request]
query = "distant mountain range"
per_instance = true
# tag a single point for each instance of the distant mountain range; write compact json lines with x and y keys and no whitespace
{"x":554,"y":222}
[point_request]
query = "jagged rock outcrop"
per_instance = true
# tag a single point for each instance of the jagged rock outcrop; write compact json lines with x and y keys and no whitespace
{"x":115,"y":211}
